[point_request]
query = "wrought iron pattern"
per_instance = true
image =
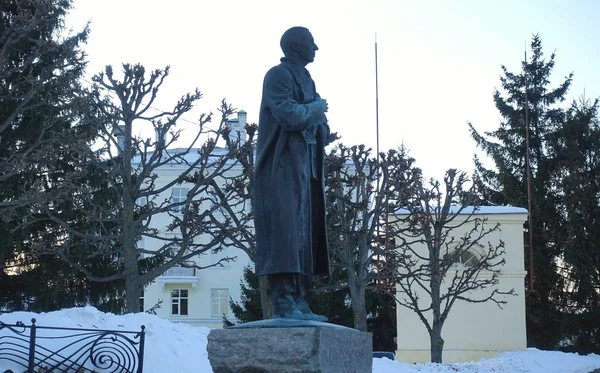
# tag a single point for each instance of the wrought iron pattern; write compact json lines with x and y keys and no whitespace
{"x":72,"y":350}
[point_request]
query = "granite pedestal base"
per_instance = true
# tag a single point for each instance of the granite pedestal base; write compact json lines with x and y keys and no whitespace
{"x":290,"y":350}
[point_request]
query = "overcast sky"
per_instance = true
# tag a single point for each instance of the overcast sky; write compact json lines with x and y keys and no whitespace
{"x":439,"y":61}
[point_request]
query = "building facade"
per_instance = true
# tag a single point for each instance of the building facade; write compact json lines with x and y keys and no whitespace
{"x":199,"y":297}
{"x":476,"y":330}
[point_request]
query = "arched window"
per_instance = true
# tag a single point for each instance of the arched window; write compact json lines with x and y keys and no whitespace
{"x":468,"y":259}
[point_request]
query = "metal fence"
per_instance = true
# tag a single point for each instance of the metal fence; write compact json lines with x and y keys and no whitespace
{"x":67,"y":350}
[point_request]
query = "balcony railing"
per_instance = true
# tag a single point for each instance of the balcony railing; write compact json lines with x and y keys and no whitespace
{"x":184,"y":269}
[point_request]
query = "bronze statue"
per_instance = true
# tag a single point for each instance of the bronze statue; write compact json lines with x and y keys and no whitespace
{"x":289,"y":180}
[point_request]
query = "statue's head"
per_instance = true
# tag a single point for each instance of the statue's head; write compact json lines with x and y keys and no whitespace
{"x":298,"y":44}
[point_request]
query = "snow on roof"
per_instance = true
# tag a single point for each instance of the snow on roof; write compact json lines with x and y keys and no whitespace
{"x":479,"y":210}
{"x":191,"y":156}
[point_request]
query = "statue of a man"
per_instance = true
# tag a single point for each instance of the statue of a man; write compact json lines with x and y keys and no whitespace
{"x":289,"y":180}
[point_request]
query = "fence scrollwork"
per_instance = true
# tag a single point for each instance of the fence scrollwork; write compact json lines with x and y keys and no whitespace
{"x":55,"y":349}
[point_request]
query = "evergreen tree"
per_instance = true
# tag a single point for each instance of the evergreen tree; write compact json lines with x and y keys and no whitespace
{"x":507,"y":183}
{"x":248,"y":309}
{"x":40,"y":140}
{"x":575,"y":145}
{"x":381,"y":319}
{"x":51,"y":284}
{"x":332,"y":303}
{"x":332,"y":298}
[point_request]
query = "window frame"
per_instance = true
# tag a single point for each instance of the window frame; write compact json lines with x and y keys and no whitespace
{"x":182,"y":196}
{"x":180,"y":300}
{"x":471,"y":257}
{"x":461,"y":264}
{"x":217,"y":301}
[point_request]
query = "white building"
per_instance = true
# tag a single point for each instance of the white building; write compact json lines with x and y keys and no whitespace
{"x":473,"y":331}
{"x":196,"y":297}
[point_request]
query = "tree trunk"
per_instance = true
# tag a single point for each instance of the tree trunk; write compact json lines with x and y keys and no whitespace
{"x":267,"y":308}
{"x":437,"y":343}
{"x":359,"y":308}
{"x":130,"y":255}
{"x":435,"y":335}
{"x":133,"y":290}
{"x":359,"y":311}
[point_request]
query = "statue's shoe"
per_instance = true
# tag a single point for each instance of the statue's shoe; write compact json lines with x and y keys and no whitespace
{"x":305,"y":309}
{"x":284,"y":307}
{"x":291,"y":314}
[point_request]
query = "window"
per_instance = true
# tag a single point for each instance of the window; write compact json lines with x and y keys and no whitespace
{"x":142,"y":303}
{"x":141,"y":202}
{"x":219,"y":304}
{"x":178,"y":195}
{"x":468,"y":259}
{"x":179,"y":302}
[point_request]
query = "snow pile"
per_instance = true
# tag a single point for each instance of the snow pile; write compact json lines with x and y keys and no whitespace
{"x":530,"y":361}
{"x":178,"y":347}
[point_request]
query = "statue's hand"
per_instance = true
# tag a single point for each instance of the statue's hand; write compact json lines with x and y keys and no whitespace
{"x":318,"y":108}
{"x":325,"y":105}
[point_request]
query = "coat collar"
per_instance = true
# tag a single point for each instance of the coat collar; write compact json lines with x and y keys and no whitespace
{"x":302,"y":77}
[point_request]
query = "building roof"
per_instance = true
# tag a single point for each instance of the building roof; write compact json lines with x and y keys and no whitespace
{"x":191,"y":156}
{"x":479,"y":210}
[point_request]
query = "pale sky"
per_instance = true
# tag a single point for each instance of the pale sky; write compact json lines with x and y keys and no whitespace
{"x":439,"y":61}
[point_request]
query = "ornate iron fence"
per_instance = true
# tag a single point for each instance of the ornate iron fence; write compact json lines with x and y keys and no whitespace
{"x":68,"y":350}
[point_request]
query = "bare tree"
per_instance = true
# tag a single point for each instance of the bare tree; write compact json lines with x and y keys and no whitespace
{"x":236,"y":197}
{"x":443,"y":254}
{"x":359,"y":188}
{"x":121,"y":195}
{"x":235,"y":191}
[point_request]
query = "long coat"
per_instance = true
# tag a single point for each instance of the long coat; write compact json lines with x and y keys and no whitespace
{"x":289,"y":203}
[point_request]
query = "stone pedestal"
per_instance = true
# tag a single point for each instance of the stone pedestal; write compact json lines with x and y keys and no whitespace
{"x":290,"y":350}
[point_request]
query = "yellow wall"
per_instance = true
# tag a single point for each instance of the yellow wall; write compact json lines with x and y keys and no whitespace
{"x":473,"y":331}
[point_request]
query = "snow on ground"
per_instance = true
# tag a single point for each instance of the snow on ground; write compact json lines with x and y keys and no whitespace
{"x":530,"y":361}
{"x":178,"y":347}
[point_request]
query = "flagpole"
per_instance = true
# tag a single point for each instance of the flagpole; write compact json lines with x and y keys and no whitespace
{"x":376,"y":104}
{"x":377,"y":225}
{"x":528,"y":161}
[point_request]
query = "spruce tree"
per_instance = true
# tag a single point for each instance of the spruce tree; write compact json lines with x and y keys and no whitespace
{"x":381,"y":319}
{"x":40,"y":140}
{"x":325,"y":300}
{"x":331,"y":298}
{"x":248,"y":309}
{"x":506,"y":183}
{"x":575,"y":145}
